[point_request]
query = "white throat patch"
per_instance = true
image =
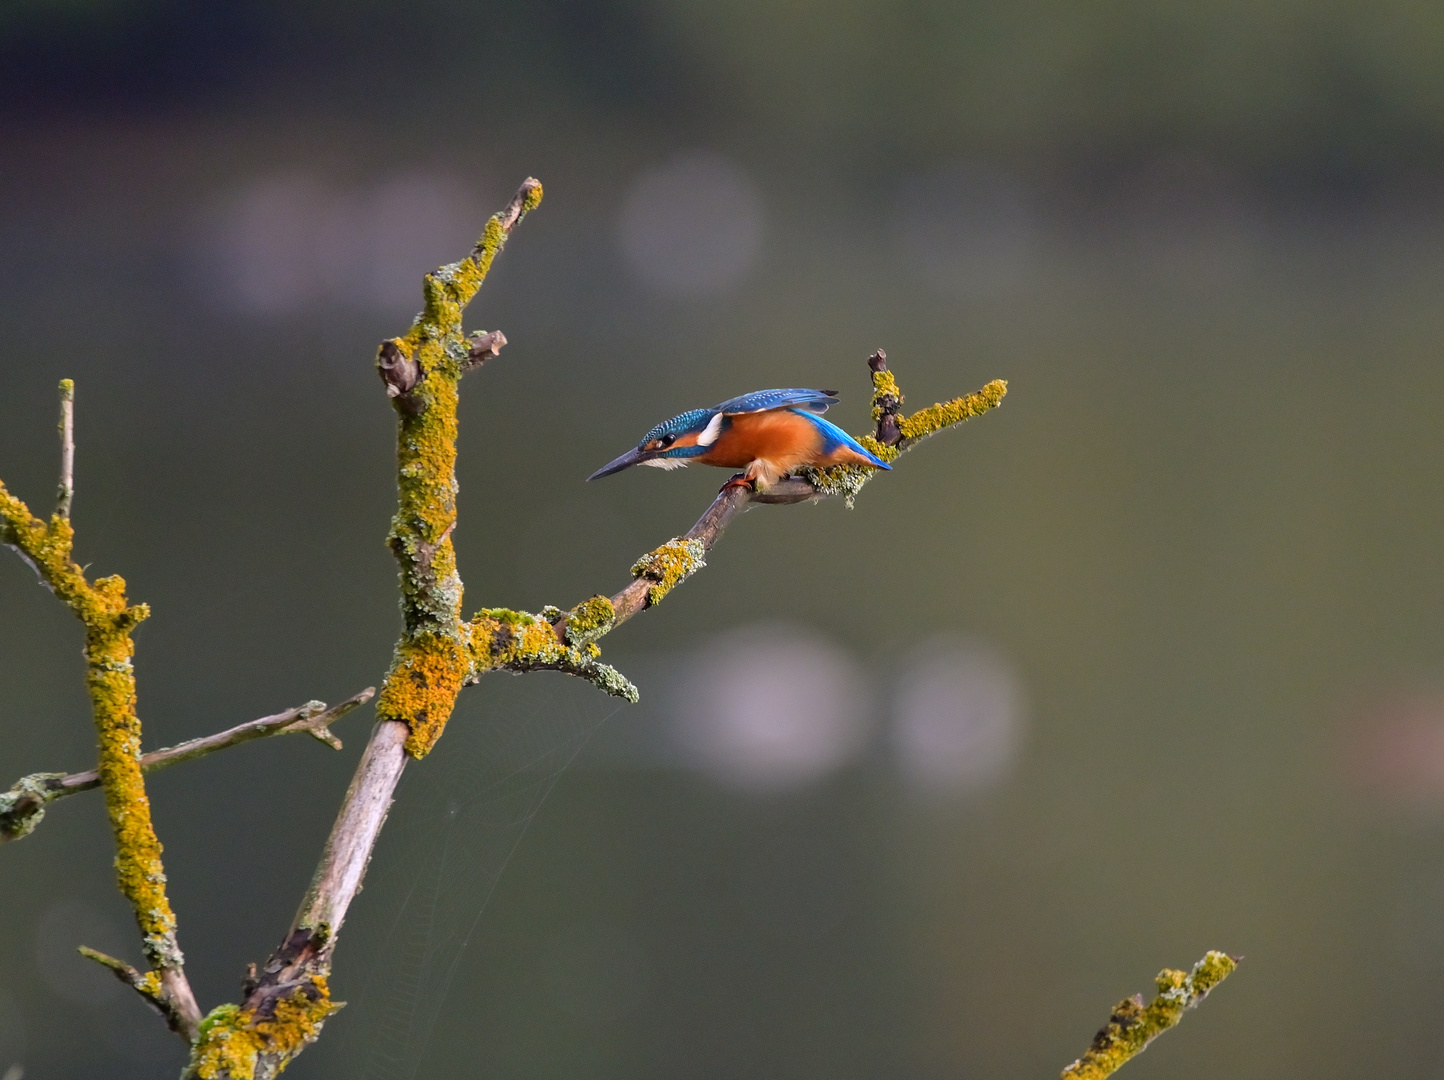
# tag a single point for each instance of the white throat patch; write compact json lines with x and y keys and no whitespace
{"x":667,"y":463}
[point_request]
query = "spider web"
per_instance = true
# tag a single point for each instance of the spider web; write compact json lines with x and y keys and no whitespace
{"x":458,"y":817}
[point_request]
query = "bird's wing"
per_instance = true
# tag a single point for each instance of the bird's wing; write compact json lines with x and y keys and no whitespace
{"x":833,"y":436}
{"x":813,"y":401}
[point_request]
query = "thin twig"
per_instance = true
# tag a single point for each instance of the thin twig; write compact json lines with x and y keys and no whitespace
{"x":23,"y":806}
{"x":148,"y":985}
{"x":66,"y":492}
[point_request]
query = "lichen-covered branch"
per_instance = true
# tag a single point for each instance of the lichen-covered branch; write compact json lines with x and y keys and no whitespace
{"x":288,"y":999}
{"x":108,"y":618}
{"x":23,"y":806}
{"x":422,"y":372}
{"x":506,"y":640}
{"x":1133,"y":1025}
{"x":895,"y":434}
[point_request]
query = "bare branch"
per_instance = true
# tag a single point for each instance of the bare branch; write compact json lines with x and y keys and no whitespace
{"x":347,"y":851}
{"x":1133,"y":1025}
{"x":23,"y":806}
{"x":66,"y":493}
{"x":289,"y":999}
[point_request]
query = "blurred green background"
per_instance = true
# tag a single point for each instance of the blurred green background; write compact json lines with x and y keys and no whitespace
{"x":1146,"y":662}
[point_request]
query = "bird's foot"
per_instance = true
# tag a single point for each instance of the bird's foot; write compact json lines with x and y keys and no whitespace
{"x":741,"y":480}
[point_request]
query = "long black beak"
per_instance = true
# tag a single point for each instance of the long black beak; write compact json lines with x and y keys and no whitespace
{"x":626,"y":461}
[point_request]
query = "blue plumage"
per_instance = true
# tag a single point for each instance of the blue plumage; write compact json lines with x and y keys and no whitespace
{"x":813,"y":401}
{"x":695,"y":420}
{"x":833,"y":437}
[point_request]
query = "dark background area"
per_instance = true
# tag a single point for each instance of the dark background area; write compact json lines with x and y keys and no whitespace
{"x":1176,"y":604}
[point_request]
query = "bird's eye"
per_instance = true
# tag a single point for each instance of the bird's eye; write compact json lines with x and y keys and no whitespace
{"x":668,"y":440}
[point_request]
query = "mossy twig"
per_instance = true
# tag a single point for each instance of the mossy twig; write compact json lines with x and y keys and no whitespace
{"x":109,"y":618}
{"x":1133,"y":1025}
{"x":518,"y":641}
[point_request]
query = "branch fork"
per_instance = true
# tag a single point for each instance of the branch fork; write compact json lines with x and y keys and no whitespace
{"x":286,"y":1000}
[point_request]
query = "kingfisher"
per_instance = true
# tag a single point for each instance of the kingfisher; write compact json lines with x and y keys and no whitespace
{"x":767,"y":433}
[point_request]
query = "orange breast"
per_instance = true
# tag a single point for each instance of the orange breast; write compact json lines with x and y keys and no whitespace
{"x":780,"y":436}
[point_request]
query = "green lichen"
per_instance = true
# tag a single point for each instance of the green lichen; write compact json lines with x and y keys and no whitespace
{"x":232,"y":1040}
{"x":668,"y":566}
{"x":1133,"y":1025}
{"x":590,"y":620}
{"x":108,"y":619}
{"x":613,"y":682}
{"x":847,"y":480}
{"x":517,"y":641}
{"x":935,"y":418}
{"x":23,"y":806}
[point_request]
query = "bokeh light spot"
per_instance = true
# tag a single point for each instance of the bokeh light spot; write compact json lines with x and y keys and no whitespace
{"x":957,"y":718}
{"x":768,"y":706}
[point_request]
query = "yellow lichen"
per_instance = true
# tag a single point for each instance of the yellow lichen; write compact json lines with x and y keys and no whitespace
{"x":668,"y":566}
{"x":883,"y":386}
{"x":1133,"y":1025}
{"x":108,"y":619}
{"x":150,"y":985}
{"x":231,"y":1039}
{"x":933,"y":419}
{"x":421,"y":688}
{"x":589,"y":620}
{"x":847,"y":480}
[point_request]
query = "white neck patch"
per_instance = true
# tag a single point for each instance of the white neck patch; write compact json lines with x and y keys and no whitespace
{"x":711,"y":431}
